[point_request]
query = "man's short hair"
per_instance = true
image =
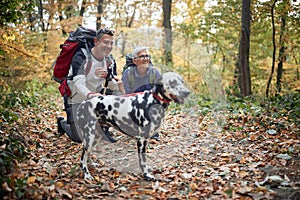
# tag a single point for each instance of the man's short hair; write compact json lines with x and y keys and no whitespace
{"x":103,"y":31}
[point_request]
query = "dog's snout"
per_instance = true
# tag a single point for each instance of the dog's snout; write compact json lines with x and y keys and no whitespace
{"x":185,"y":93}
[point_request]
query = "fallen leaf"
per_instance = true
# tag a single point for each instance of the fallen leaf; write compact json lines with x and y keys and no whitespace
{"x":31,"y":179}
{"x":59,"y":184}
{"x":6,"y":187}
{"x":193,"y":186}
{"x":243,"y":174}
{"x":105,"y":187}
{"x":64,"y":193}
{"x":284,"y":156}
{"x":187,"y":175}
{"x":244,"y":190}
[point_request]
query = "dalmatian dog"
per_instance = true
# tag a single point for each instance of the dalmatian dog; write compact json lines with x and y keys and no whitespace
{"x":138,"y":116}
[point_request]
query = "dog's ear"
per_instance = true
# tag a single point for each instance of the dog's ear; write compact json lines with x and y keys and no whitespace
{"x":157,"y":84}
{"x":158,"y":81}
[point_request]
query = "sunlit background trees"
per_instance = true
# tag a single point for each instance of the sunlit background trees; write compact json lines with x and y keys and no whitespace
{"x":198,"y":38}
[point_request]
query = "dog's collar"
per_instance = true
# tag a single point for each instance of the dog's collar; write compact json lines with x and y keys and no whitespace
{"x":156,"y":96}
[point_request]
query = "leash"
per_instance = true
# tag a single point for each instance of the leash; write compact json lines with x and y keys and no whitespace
{"x":131,"y":94}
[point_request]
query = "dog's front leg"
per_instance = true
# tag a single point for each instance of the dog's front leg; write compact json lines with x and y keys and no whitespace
{"x":142,"y":145}
{"x":84,"y":167}
{"x":87,"y":147}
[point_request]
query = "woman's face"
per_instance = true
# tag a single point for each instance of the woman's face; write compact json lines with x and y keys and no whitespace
{"x":143,"y":59}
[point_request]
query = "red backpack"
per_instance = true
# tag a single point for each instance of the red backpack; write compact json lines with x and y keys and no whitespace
{"x":78,"y":39}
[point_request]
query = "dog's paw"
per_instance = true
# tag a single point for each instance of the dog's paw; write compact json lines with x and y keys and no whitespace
{"x":149,"y":177}
{"x":88,"y":177}
{"x":94,"y":164}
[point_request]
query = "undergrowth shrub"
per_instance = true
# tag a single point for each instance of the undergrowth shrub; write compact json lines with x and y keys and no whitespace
{"x":12,"y":145}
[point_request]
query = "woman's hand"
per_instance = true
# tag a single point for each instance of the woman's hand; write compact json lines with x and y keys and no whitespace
{"x":121,"y":85}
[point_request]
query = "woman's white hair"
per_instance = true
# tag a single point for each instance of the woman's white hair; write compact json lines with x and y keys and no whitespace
{"x":138,"y":49}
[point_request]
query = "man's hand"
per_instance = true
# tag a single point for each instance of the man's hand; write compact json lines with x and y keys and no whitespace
{"x":101,"y":72}
{"x":93,"y":94}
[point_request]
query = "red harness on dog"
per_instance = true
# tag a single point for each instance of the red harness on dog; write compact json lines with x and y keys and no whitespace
{"x":161,"y":99}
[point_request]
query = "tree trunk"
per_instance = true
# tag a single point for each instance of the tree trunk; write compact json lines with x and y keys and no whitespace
{"x":244,"y":70}
{"x":129,"y":22}
{"x":274,"y":50}
{"x":281,"y":56}
{"x":82,"y":9}
{"x":167,"y":5}
{"x":41,"y":16}
{"x":100,"y":12}
{"x":60,"y":16}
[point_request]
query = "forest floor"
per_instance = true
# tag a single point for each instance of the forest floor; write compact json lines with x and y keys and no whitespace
{"x":212,"y":156}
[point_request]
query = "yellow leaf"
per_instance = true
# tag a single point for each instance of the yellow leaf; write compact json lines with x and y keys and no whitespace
{"x":97,"y":178}
{"x":31,"y":179}
{"x":116,"y":174}
{"x":242,"y":174}
{"x":225,"y":154}
{"x":59,"y":184}
{"x":243,"y":160}
{"x":253,"y":137}
{"x":193,"y":186}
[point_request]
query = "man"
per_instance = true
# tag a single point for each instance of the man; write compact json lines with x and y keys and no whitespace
{"x":88,"y":72}
{"x":141,"y":75}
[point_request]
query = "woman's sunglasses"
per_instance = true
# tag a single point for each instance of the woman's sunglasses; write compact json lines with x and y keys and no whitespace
{"x":144,"y":57}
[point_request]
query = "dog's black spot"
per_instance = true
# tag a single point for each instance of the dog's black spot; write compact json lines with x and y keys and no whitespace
{"x":100,"y":106}
{"x":100,"y":109}
{"x":115,"y":112}
{"x":154,"y":112}
{"x":116,"y":104}
{"x":142,"y":120}
{"x":103,"y":118}
{"x":83,"y":152}
{"x":173,"y":83}
{"x":109,"y":108}
{"x":122,"y":101}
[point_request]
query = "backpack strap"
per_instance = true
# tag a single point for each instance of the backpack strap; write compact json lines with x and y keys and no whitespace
{"x":130,"y":76}
{"x":88,"y":55}
{"x":152,"y":76}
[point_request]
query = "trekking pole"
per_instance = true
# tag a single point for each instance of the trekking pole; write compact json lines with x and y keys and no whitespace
{"x":109,"y":76}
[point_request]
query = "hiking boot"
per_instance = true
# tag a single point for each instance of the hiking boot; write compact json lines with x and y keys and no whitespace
{"x":155,"y":137}
{"x":60,"y":129}
{"x":109,"y":136}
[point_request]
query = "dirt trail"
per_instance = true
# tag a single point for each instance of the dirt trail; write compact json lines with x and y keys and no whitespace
{"x":195,"y":159}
